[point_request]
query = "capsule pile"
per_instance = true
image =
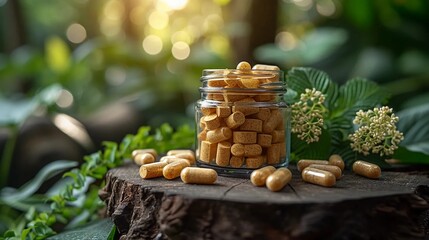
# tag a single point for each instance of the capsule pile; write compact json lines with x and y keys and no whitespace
{"x":176,"y":163}
{"x":240,"y":131}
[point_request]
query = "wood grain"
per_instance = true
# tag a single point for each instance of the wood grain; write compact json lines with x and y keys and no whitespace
{"x":394,"y":207}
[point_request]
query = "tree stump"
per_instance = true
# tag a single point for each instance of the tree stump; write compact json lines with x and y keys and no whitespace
{"x":396,"y":206}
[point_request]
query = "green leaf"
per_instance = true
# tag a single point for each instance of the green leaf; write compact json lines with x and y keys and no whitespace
{"x":100,"y":229}
{"x":414,"y":124}
{"x":358,"y":94}
{"x":29,"y":188}
{"x":407,"y":156}
{"x":299,"y":79}
{"x":15,"y":112}
{"x":315,"y":150}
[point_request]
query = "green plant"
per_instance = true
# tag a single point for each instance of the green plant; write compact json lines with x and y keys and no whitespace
{"x":72,"y":205}
{"x":332,"y":115}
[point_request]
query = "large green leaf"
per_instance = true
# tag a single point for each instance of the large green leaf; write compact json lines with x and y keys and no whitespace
{"x":357,"y":94}
{"x":13,"y":195}
{"x":414,"y":123}
{"x":316,"y":150}
{"x":100,"y":229}
{"x":300,"y":78}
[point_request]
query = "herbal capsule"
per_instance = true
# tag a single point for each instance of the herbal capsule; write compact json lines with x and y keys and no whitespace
{"x":152,"y":170}
{"x":319,"y":177}
{"x":366,"y":169}
{"x":336,"y":160}
{"x":147,"y":150}
{"x":186,"y":154}
{"x":144,"y":158}
{"x":330,"y":168}
{"x":198,"y":175}
{"x":277,"y":180}
{"x":179,"y":151}
{"x":244,"y":66}
{"x":173,"y":170}
{"x":259,"y":176}
{"x":303,"y":163}
{"x":170,"y":159}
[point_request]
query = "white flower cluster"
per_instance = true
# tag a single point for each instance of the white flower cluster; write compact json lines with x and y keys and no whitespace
{"x":376,"y":133}
{"x":307,"y":115}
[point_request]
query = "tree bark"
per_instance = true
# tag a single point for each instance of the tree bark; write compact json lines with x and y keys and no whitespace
{"x":393,"y":207}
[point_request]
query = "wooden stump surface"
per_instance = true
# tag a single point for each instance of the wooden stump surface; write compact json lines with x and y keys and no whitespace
{"x":396,"y":206}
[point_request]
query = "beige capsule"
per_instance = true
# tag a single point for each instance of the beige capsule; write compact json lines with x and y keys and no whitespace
{"x":255,"y":162}
{"x":219,"y":135}
{"x":207,"y":111}
{"x":146,"y":150}
{"x":183,"y":153}
{"x":336,"y":160}
{"x":244,"y":137}
{"x":259,"y":176}
{"x":330,"y":168}
{"x":277,"y":180}
{"x":223,"y":154}
{"x":237,"y":149}
{"x":271,"y":123}
{"x":265,"y":140}
{"x":152,"y":170}
{"x":367,"y":169}
{"x":303,"y":163}
{"x":223,"y":111}
{"x":235,"y":120}
{"x":178,"y":151}
{"x":263,"y":114}
{"x":207,"y":151}
{"x":144,"y":158}
{"x":198,"y":175}
{"x":254,"y":125}
{"x":170,"y":159}
{"x":319,"y":177}
{"x":173,"y":170}
{"x":252,"y":150}
{"x":244,"y":66}
{"x":211,"y":121}
{"x":265,"y":67}
{"x":278,"y":136}
{"x":273,"y":154}
{"x":236,"y":161}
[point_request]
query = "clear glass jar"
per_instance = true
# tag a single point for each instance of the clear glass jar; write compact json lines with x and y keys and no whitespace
{"x":242,"y":121}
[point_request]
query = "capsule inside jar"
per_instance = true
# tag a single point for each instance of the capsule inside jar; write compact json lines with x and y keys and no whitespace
{"x":250,"y":119}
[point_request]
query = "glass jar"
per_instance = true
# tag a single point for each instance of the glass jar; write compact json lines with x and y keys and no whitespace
{"x":242,"y":121}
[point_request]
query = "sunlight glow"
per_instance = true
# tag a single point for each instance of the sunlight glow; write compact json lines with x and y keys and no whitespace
{"x":65,"y":99}
{"x":158,"y":20}
{"x":286,"y":41}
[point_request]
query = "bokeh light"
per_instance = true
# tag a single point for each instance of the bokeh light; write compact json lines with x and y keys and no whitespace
{"x":173,"y":4}
{"x":326,"y":8}
{"x":76,"y":33}
{"x":180,"y":50}
{"x":286,"y":41}
{"x":152,"y":44}
{"x":65,"y":99}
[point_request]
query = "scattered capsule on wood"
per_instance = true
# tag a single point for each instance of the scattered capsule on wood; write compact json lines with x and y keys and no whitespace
{"x":319,"y":177}
{"x":173,"y":170}
{"x":198,"y":175}
{"x":170,"y":159}
{"x":259,"y":176}
{"x":367,"y":169}
{"x":152,"y":170}
{"x":303,"y":163}
{"x":277,"y":180}
{"x":336,"y":160}
{"x":144,"y":158}
{"x":183,"y":153}
{"x":330,"y":168}
{"x":147,"y":150}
